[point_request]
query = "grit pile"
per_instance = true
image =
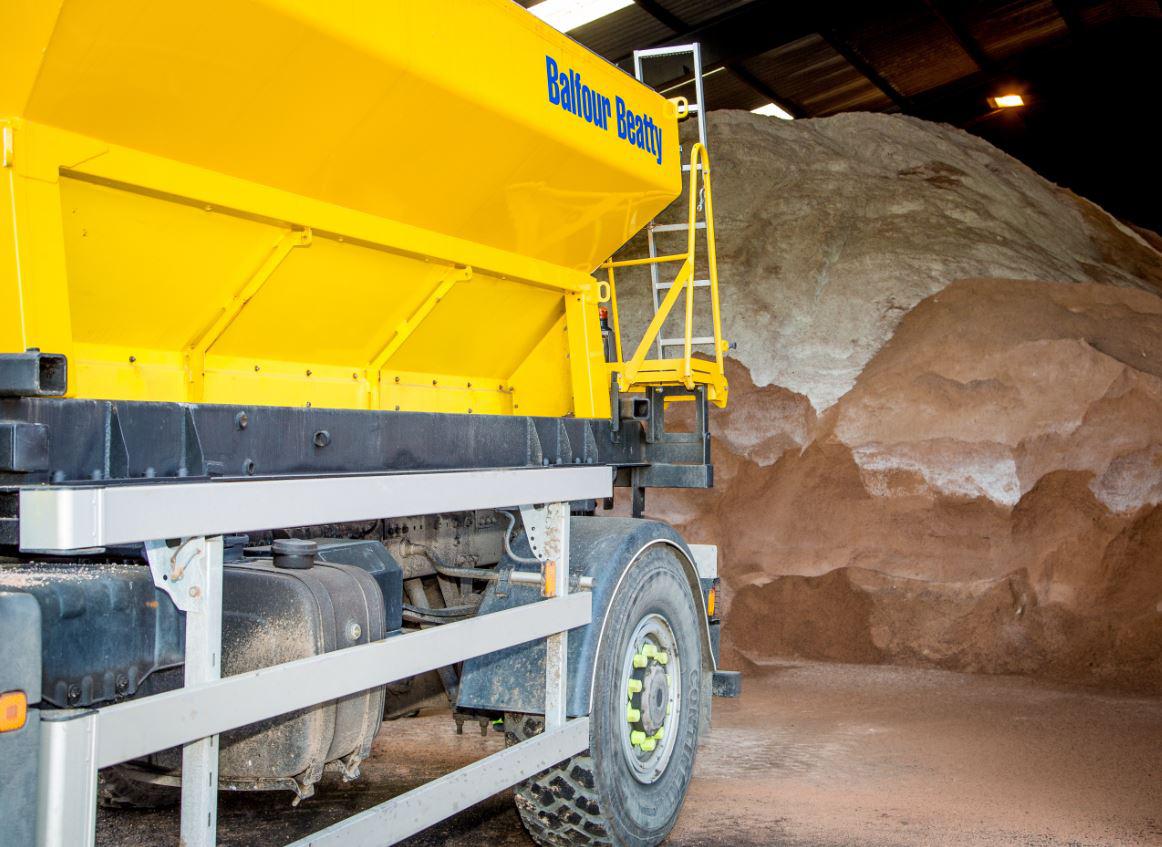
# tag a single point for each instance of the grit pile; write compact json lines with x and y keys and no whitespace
{"x":944,"y":439}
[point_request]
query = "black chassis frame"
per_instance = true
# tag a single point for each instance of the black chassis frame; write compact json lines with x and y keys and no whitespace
{"x":52,"y":441}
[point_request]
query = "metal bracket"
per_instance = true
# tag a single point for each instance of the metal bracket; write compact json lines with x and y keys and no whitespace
{"x":503,"y":581}
{"x":180,"y":571}
{"x":536,"y":521}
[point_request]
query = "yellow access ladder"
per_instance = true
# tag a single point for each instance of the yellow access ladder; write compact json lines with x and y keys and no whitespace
{"x":674,"y":364}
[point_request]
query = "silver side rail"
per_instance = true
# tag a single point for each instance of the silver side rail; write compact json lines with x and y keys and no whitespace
{"x":75,"y":743}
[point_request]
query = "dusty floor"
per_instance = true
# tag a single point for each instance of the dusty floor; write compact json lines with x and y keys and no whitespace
{"x":817,"y":755}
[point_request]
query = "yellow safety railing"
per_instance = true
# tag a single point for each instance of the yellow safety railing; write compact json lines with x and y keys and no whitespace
{"x":639,"y":372}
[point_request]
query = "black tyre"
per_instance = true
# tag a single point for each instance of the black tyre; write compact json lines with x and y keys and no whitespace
{"x":121,"y":787}
{"x":628,"y":788}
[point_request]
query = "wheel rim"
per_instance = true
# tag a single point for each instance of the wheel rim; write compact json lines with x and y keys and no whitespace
{"x":650,"y":698}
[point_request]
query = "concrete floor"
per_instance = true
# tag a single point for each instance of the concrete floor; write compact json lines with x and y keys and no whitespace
{"x":812,"y":756}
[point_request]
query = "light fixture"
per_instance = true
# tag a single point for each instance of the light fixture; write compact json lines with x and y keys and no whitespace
{"x":567,"y":15}
{"x":773,"y":110}
{"x":1006,"y":101}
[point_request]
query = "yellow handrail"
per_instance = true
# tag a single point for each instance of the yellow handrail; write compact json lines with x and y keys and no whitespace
{"x":671,"y":371}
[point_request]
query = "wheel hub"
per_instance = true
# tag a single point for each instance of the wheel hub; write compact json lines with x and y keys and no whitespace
{"x":651,"y":696}
{"x":654,"y":697}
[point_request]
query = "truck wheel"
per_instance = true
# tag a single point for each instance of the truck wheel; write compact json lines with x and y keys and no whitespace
{"x":118,"y":788}
{"x":627,"y":789}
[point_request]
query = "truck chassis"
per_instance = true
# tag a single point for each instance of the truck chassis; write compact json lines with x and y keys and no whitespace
{"x":180,"y":472}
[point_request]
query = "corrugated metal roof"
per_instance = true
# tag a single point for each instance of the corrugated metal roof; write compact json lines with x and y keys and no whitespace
{"x":910,"y":47}
{"x":622,"y":32}
{"x":916,"y":47}
{"x":1005,"y":28}
{"x":809,"y":73}
{"x":698,"y":12}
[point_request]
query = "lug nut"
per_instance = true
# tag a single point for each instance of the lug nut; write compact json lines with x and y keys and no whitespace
{"x":632,"y":715}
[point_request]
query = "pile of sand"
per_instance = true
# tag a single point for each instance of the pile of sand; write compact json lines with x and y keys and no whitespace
{"x":937,"y":451}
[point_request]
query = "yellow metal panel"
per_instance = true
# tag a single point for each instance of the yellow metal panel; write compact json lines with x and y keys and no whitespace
{"x":488,"y":325}
{"x":150,"y":274}
{"x":437,"y":114}
{"x":25,"y":29}
{"x":538,"y":386}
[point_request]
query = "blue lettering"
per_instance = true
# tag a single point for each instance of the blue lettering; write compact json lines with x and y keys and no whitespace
{"x":567,"y":90}
{"x":554,"y":89}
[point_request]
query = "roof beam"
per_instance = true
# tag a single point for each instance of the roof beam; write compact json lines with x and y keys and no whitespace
{"x":849,"y":52}
{"x":964,"y":38}
{"x":663,"y":15}
{"x":1067,"y":10}
{"x":738,"y":34}
{"x":753,"y":82}
{"x":757,"y":27}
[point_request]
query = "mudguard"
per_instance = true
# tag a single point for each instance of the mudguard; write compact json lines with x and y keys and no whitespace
{"x":513,"y":680}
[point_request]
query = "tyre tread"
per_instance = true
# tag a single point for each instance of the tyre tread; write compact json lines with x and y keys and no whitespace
{"x":558,"y":806}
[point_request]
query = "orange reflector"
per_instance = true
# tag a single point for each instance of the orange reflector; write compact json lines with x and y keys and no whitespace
{"x":13,"y":710}
{"x":710,"y":595}
{"x":550,"y":587}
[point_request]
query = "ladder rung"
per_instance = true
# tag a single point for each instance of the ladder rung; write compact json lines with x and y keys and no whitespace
{"x":693,"y":108}
{"x":676,"y":50}
{"x":698,"y":283}
{"x":677,"y":227}
{"x":681,"y":342}
{"x":686,"y":168}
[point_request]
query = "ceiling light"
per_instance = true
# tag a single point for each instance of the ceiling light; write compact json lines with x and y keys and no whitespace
{"x":773,"y":110}
{"x":567,"y":15}
{"x":1006,"y":101}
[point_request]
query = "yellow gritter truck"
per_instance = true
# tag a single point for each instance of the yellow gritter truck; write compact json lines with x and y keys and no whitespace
{"x":312,"y":386}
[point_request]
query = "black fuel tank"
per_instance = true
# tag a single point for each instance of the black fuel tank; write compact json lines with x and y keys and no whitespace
{"x":109,"y":634}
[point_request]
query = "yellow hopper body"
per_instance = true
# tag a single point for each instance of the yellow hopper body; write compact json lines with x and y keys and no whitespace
{"x":343,"y":204}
